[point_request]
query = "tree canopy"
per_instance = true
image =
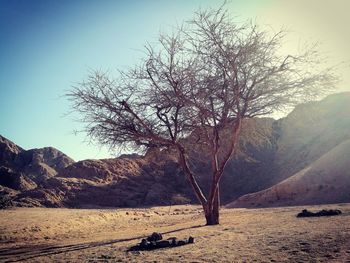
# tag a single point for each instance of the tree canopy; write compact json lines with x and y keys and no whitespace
{"x":203,"y":78}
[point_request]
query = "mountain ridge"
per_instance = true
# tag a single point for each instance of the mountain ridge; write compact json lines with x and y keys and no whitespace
{"x":270,"y":151}
{"x":327,"y":180}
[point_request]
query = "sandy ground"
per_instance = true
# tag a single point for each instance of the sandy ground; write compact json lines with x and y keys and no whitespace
{"x":104,"y":235}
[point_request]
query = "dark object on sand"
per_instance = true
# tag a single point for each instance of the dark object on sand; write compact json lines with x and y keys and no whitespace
{"x":154,"y":237}
{"x":155,"y":241}
{"x":331,"y":212}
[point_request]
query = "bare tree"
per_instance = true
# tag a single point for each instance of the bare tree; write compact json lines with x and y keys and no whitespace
{"x":200,"y":82}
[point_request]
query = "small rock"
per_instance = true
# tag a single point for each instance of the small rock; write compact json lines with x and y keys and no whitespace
{"x":331,"y":212}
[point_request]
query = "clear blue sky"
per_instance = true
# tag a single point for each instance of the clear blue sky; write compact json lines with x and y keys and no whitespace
{"x":46,"y":46}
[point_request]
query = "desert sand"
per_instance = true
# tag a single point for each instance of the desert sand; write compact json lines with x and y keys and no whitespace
{"x":104,"y":235}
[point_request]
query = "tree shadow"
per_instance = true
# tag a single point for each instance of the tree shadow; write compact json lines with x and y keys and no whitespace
{"x":30,"y":252}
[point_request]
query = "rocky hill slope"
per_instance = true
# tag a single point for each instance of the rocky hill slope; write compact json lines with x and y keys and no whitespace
{"x":269,"y":153}
{"x":22,"y":171}
{"x":313,"y":156}
{"x":310,"y":131}
{"x":327,"y":180}
{"x":132,"y":180}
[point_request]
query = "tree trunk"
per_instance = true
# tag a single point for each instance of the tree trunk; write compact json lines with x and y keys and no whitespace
{"x":212,"y":211}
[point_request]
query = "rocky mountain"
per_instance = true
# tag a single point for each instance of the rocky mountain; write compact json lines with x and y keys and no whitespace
{"x":327,"y":180}
{"x":134,"y":180}
{"x":312,"y":157}
{"x":23,"y":171}
{"x":35,"y":164}
{"x":131,"y":180}
{"x":271,"y":155}
{"x":310,"y":131}
{"x":121,"y":182}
